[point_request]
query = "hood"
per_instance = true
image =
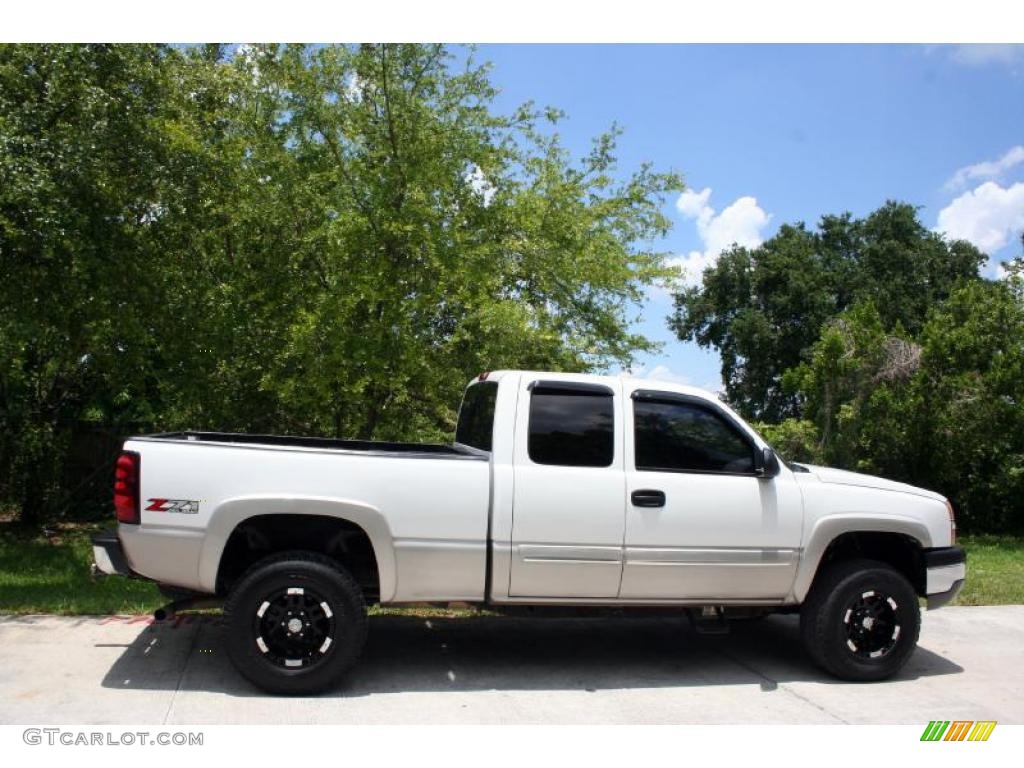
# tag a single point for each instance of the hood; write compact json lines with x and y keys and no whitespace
{"x":842,"y":477}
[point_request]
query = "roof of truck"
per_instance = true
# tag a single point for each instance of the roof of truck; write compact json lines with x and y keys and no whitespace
{"x":637,"y":382}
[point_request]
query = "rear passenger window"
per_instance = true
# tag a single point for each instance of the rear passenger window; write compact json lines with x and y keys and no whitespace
{"x":476,"y":416}
{"x":571,"y":427}
{"x":685,"y":437}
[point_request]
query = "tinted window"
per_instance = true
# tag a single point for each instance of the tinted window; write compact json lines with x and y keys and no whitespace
{"x":681,"y":436}
{"x":476,"y":417}
{"x":571,"y":429}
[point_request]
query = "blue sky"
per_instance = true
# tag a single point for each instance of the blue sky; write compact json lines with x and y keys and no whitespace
{"x":787,"y":133}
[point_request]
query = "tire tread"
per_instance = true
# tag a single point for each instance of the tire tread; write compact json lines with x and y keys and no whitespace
{"x":819,"y":610}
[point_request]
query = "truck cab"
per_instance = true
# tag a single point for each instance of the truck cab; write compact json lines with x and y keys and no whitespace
{"x":626,"y":490}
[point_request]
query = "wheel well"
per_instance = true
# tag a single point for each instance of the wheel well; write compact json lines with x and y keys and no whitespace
{"x":901,"y":552}
{"x":257,"y":537}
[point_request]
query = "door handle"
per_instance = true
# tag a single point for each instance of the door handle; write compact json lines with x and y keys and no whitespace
{"x":648,"y":498}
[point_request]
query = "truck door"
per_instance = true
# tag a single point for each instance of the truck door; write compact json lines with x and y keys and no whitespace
{"x":701,"y":523}
{"x":569,"y":497}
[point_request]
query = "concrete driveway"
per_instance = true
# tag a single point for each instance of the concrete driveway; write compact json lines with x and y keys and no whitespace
{"x":118,"y":670}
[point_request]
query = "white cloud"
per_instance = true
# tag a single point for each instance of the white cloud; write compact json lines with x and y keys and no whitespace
{"x":636,"y":370}
{"x":988,"y":216}
{"x":692,"y":265}
{"x":664,"y":373}
{"x":741,"y":223}
{"x":980,"y":55}
{"x":988,"y":169}
{"x":693,"y":204}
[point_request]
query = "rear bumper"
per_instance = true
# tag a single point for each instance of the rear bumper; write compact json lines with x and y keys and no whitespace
{"x":945,"y":570}
{"x":108,"y":557}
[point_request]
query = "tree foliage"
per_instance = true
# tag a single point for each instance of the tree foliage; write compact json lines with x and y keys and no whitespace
{"x":325,"y":240}
{"x":763,"y":307}
{"x":944,"y":411}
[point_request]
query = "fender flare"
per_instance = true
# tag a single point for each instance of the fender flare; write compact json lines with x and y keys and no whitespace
{"x":232,"y":512}
{"x":828,"y":529}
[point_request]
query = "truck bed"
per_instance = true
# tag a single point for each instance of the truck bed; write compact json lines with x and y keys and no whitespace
{"x":376,"y":447}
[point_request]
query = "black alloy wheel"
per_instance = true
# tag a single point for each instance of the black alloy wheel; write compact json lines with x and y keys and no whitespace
{"x":295,"y":627}
{"x":872,"y":624}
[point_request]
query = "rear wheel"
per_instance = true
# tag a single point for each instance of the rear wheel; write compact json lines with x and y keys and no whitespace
{"x":296,"y":623}
{"x":861,"y":620}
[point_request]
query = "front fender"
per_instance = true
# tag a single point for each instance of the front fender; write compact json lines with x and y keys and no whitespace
{"x":827,"y":529}
{"x":229,"y":514}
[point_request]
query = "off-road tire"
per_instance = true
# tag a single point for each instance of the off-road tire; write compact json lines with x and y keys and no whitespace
{"x":285,"y":579}
{"x":829,"y":620}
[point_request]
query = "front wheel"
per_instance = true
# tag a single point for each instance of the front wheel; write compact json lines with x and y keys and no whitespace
{"x":296,"y":623}
{"x":861,"y":620}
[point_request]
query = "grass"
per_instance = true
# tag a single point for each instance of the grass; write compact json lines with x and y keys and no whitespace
{"x":48,"y":572}
{"x":995,"y":570}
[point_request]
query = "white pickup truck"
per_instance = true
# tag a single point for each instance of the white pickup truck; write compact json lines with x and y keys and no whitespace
{"x":562,"y":489}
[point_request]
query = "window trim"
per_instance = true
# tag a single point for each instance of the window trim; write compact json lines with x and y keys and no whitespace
{"x":578,"y":388}
{"x":569,"y":388}
{"x":677,"y":398}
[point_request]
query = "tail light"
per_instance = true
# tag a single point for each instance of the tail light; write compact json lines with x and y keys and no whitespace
{"x":952,"y":523}
{"x":126,"y":487}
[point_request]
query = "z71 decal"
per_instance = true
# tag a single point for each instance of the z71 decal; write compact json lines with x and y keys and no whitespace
{"x":182,"y":506}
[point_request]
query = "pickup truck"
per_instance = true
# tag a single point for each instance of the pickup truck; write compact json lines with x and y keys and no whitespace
{"x":558,"y":489}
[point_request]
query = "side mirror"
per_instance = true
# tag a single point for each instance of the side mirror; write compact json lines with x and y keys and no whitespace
{"x":766,"y":463}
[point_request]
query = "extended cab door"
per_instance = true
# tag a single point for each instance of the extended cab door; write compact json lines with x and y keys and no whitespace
{"x":700,"y":523}
{"x":569,"y":497}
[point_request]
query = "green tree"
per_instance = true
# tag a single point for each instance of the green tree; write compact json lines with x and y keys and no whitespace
{"x":448,"y":239}
{"x":795,"y":439}
{"x":972,"y":395}
{"x":326,"y":240}
{"x":853,"y":375}
{"x":78,"y":145}
{"x":943,"y":412}
{"x":763,"y":308}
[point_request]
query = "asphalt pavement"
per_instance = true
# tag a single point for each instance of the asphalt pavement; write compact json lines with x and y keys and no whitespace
{"x":127,"y":670}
